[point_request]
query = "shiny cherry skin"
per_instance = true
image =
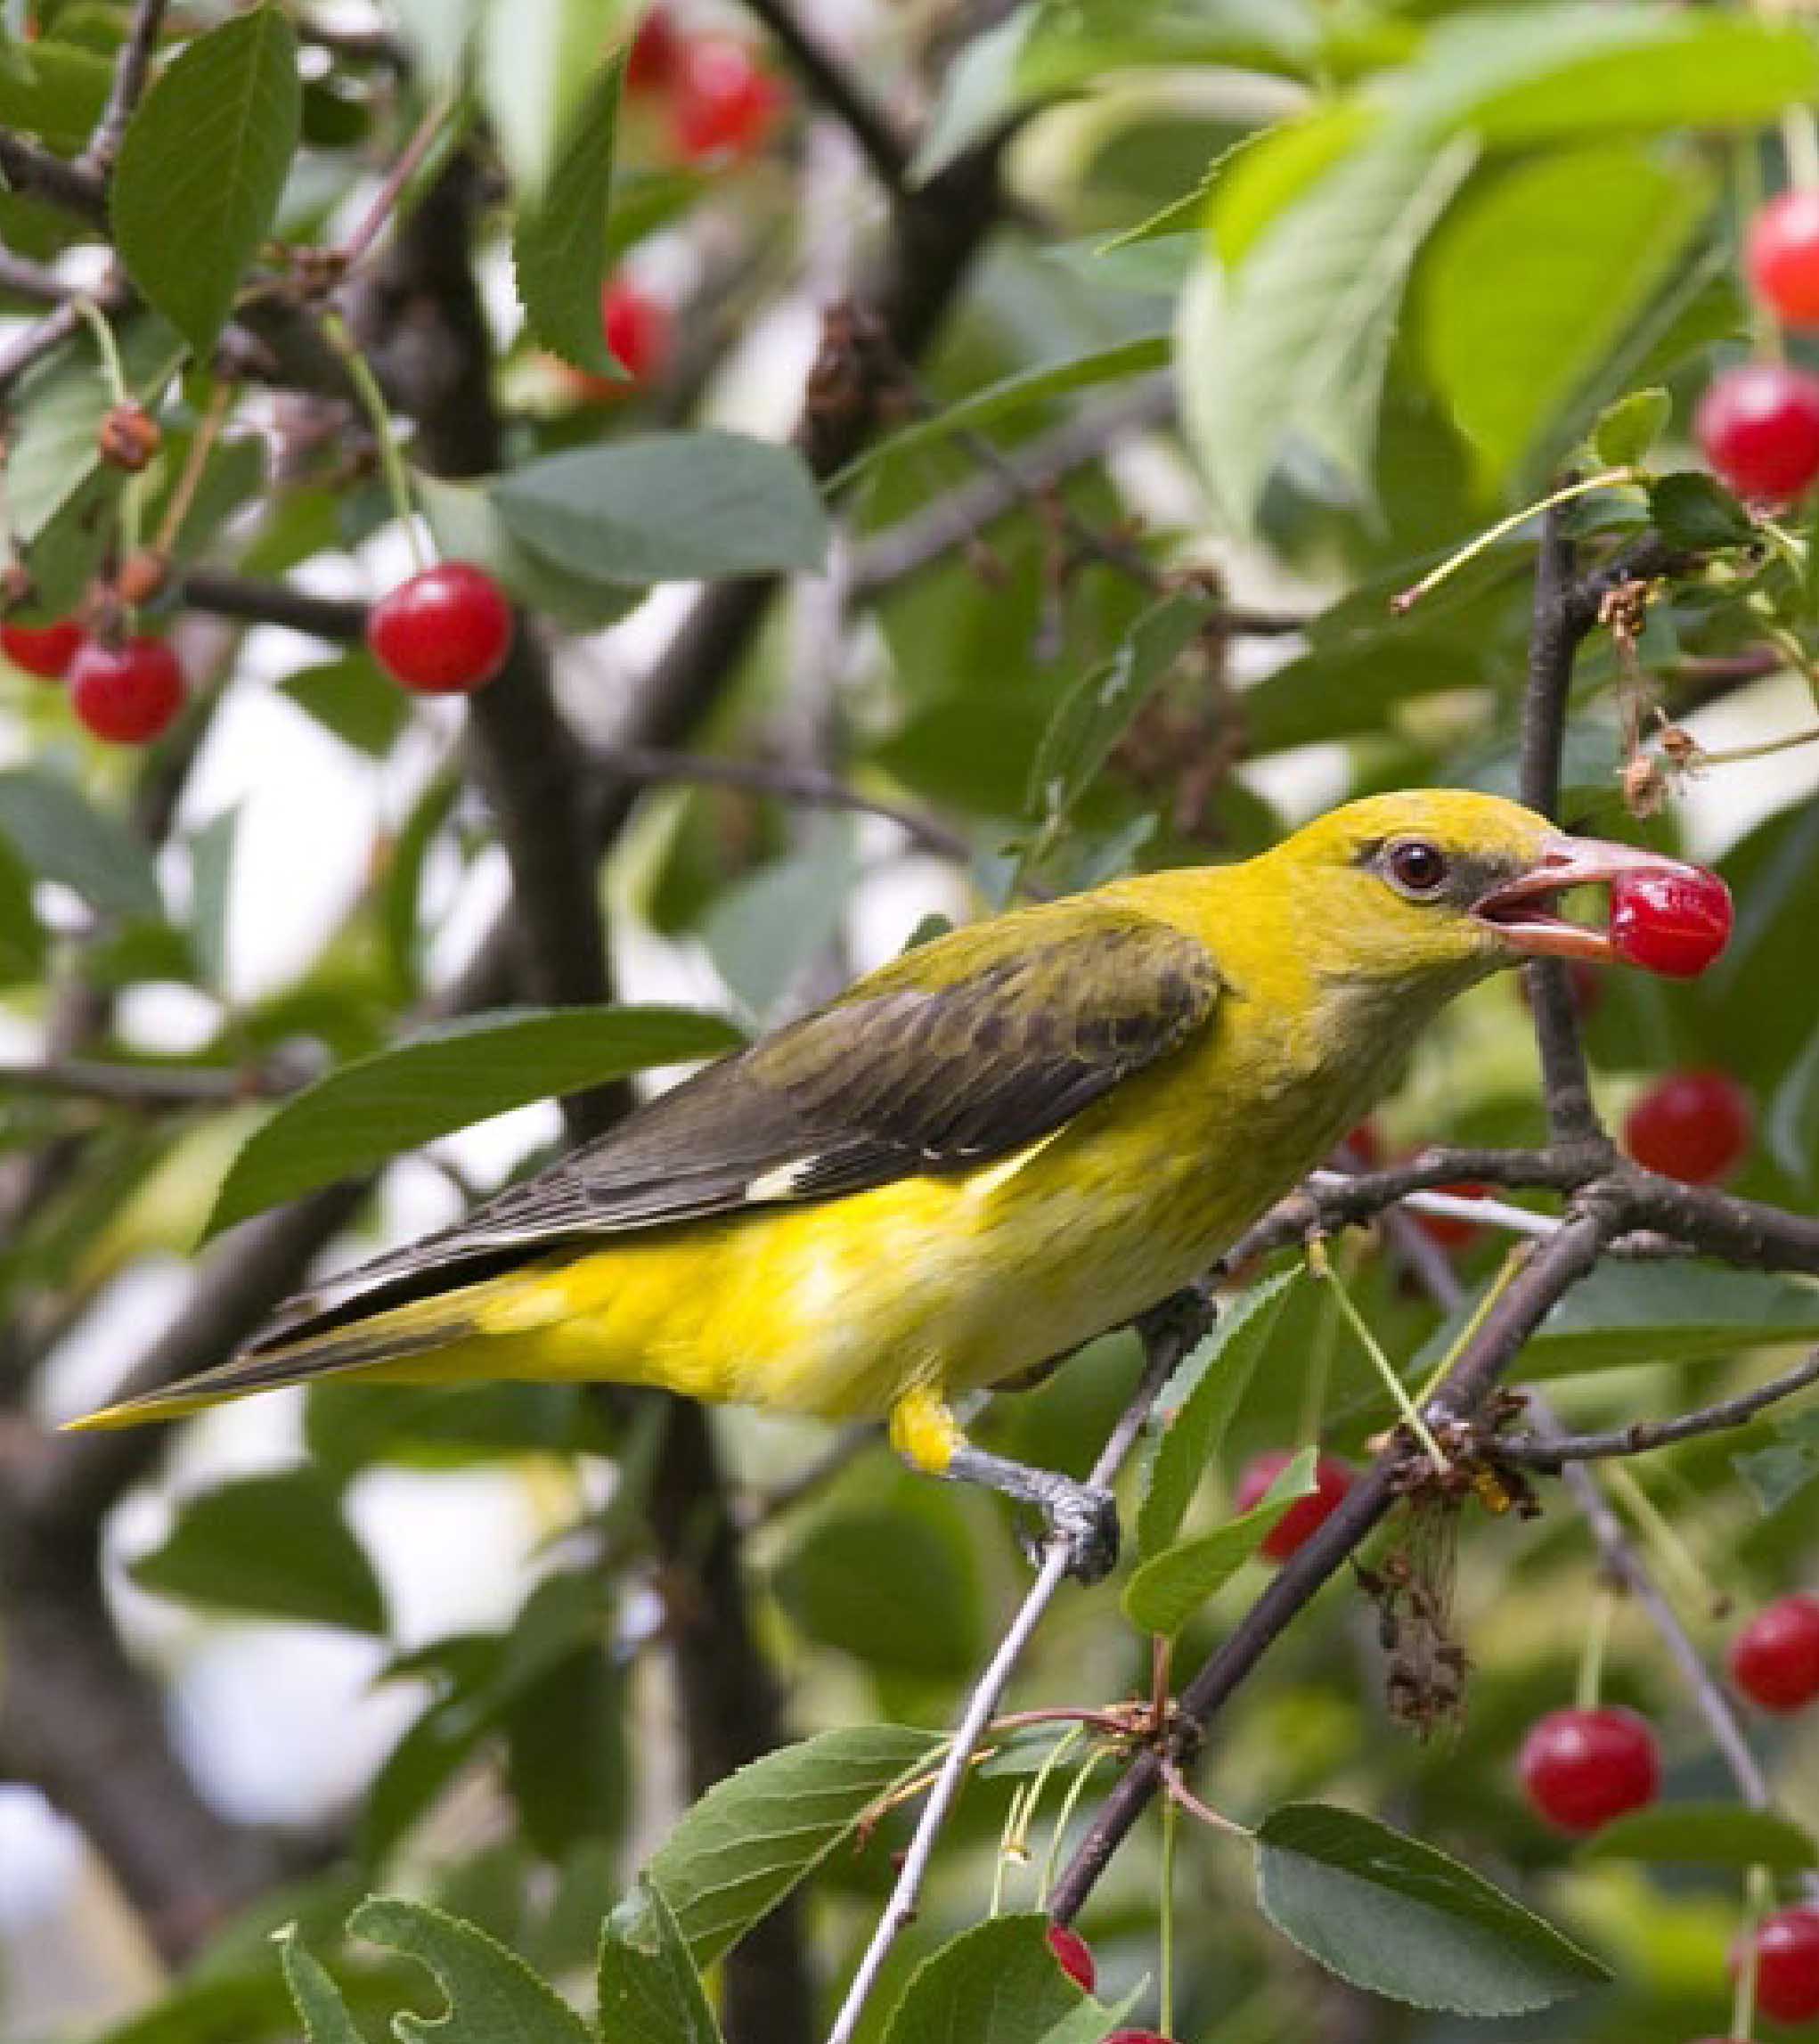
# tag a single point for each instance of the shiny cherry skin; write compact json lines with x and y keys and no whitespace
{"x":1074,"y":1955}
{"x":1138,"y":2037}
{"x":1579,"y":1769}
{"x":1781,"y":257}
{"x":656,"y":54}
{"x":1694,"y":1125}
{"x":1333,"y":1479}
{"x":1674,"y":924}
{"x":1787,"y":1964}
{"x":127,"y":694}
{"x":726,"y":104}
{"x":638,"y":329}
{"x":444,"y":632}
{"x":45,"y":651}
{"x":1758,"y":427}
{"x":1774,"y":1659}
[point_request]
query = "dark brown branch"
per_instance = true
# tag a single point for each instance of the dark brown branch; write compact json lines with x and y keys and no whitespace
{"x":1742,"y":1231}
{"x":840,"y":92}
{"x":26,"y":279}
{"x":31,"y":343}
{"x":254,"y":600}
{"x":35,"y":173}
{"x":131,"y":69}
{"x":140,"y":1085}
{"x":1551,"y":1450}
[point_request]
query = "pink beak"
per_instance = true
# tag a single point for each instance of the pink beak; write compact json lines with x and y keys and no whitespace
{"x":1521,"y":911}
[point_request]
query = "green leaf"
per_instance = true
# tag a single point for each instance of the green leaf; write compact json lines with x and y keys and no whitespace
{"x":560,"y":248}
{"x":1095,"y":713}
{"x":771,"y":925}
{"x":1172,"y":1587}
{"x":202,"y":169}
{"x":211,"y":877}
{"x":738,"y":1851}
{"x":1090,"y":2023}
{"x":439,"y":35}
{"x":667,"y":507}
{"x":648,"y":1987}
{"x":55,"y":91}
{"x":891,"y":1588}
{"x":1294,"y":342}
{"x":1518,"y":75}
{"x":351,"y":698}
{"x":981,"y":91}
{"x":467,"y":528}
{"x":322,"y":2012}
{"x":1198,"y":1403}
{"x":1690,"y":510}
{"x":494,"y":1996}
{"x":1706,"y":1834}
{"x":538,"y":64}
{"x":1344,"y":686}
{"x":996,"y":1983}
{"x":22,"y":941}
{"x":1626,"y":430}
{"x":1793,"y":1117}
{"x":1534,"y":276}
{"x":1016,"y":393}
{"x":1386,"y":1913}
{"x":60,"y":838}
{"x":368,"y":1111}
{"x":1778,"y":1474}
{"x":276,"y":1545}
{"x":565,"y":1752}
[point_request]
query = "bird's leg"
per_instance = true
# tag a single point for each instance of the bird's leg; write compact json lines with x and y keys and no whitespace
{"x":1082,"y":1517}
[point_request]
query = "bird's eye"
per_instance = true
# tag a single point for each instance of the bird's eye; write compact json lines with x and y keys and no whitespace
{"x":1416,"y":866}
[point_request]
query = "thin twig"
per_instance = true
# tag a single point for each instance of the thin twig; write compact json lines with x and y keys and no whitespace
{"x":1175,"y":1336}
{"x":410,"y":160}
{"x":256,"y":601}
{"x":1552,"y":1451}
{"x":140,"y":1085}
{"x":131,"y":69}
{"x":35,"y":173}
{"x":834,"y":84}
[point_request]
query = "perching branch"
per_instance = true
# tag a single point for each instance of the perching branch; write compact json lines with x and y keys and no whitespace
{"x":1551,"y":1450}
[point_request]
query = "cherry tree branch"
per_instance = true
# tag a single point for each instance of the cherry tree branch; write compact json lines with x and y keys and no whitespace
{"x":1551,"y":1448}
{"x":835,"y":87}
{"x":131,"y":69}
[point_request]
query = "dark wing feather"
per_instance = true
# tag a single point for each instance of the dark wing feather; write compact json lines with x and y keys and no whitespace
{"x":960,"y":1052}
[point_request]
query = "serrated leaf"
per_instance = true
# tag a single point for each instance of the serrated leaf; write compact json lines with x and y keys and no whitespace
{"x":467,"y":528}
{"x":1198,"y":1403}
{"x":493,"y":1996}
{"x":667,"y":507}
{"x":996,"y":1983}
{"x":648,"y":1987}
{"x":1293,"y":343}
{"x":1388,"y":1913}
{"x":202,"y":167}
{"x":1793,"y":1117}
{"x":60,"y":838}
{"x":352,"y":699}
{"x":276,"y":1545}
{"x":319,"y":2007}
{"x":368,"y":1111}
{"x":890,"y":1588}
{"x":1690,"y":510}
{"x":738,"y":1851}
{"x":1706,"y":1834}
{"x":1533,"y":278}
{"x":1097,"y":710}
{"x":1627,"y":431}
{"x":559,"y":248}
{"x":1171,"y":1587}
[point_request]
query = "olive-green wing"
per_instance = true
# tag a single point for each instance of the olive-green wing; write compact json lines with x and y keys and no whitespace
{"x":962,"y":1052}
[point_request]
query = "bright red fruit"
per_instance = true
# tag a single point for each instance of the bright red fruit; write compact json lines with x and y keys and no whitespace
{"x":1759,"y":425}
{"x":1782,"y":256}
{"x":656,"y":54}
{"x":44,"y":650}
{"x":1074,"y":1955}
{"x":726,"y":104}
{"x":1774,"y":1659}
{"x":638,"y":329}
{"x":1138,"y":2037}
{"x":1694,"y":1125}
{"x":1787,"y":1964}
{"x":1671,"y":923}
{"x":443,"y":632}
{"x":1304,"y":1517}
{"x":1582,"y":1768}
{"x":128,"y":693}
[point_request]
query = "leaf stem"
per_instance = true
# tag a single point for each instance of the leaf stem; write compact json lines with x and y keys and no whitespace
{"x":113,"y":369}
{"x":201,"y":447}
{"x":1607,"y":479}
{"x":1321,"y":1265}
{"x":378,"y":416}
{"x":1676,"y":1557}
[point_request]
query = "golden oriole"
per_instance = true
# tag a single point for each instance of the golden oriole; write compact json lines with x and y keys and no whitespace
{"x":1004,"y":1143}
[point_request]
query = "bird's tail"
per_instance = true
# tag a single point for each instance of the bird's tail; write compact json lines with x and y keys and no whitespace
{"x":386,"y":1345}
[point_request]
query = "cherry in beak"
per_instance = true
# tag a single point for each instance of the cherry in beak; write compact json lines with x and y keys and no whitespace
{"x":1523,"y":911}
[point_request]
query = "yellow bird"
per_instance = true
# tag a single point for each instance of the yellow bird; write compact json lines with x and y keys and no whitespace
{"x":1001,"y":1145}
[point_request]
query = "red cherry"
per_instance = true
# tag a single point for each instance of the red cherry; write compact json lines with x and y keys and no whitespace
{"x":126,"y":694}
{"x":725,"y":103}
{"x":1138,"y":2037}
{"x":1582,"y":1768}
{"x":44,"y":650}
{"x":445,"y":631}
{"x":1074,"y":1955}
{"x":1694,"y":1125}
{"x":1759,"y":425}
{"x":1787,"y":1964}
{"x":1782,"y":255}
{"x":1675,"y":924}
{"x":1362,"y":1148}
{"x":638,"y":330}
{"x":1774,"y":1659}
{"x":656,"y":54}
{"x":1333,"y":1479}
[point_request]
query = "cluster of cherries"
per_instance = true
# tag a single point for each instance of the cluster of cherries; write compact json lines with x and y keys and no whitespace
{"x":128,"y":693}
{"x":1579,"y":1769}
{"x":1758,"y":424}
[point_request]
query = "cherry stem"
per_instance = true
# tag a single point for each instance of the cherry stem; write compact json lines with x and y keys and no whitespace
{"x":119,"y":394}
{"x":1746,"y":180}
{"x":1732,"y":754}
{"x":1165,"y":1877}
{"x":1511,"y":1264}
{"x":1676,"y":1557}
{"x":1321,"y":1265}
{"x":1799,"y":141}
{"x":1608,"y":478}
{"x":1064,"y":1817}
{"x":373,"y":402}
{"x":1591,"y":1682}
{"x":1758,"y":1896}
{"x":201,"y":447}
{"x":368,"y":228}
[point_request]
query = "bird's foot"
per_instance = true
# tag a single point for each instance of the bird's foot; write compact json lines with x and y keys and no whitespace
{"x":1084,"y":1520}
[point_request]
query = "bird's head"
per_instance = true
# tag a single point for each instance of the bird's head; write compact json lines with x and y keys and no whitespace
{"x":1446,"y":884}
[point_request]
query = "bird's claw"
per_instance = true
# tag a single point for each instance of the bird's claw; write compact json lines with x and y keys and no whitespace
{"x":1083,"y":1521}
